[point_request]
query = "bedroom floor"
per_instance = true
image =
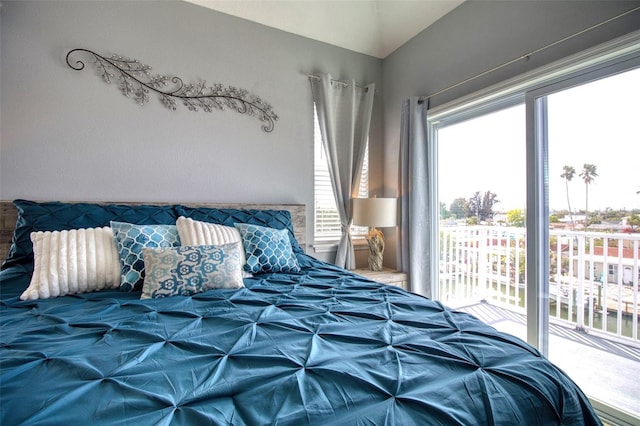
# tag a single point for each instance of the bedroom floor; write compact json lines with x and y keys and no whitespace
{"x":607,"y":370}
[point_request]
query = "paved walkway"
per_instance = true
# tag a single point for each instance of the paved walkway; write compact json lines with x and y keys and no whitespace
{"x":605,"y":369}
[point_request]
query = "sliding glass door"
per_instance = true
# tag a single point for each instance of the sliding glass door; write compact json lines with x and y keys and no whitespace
{"x":538,"y":188}
{"x":593,"y":142}
{"x":482,"y":198}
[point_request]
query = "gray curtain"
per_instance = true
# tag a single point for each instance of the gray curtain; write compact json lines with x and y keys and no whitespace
{"x":414,"y":232}
{"x":344,"y":114}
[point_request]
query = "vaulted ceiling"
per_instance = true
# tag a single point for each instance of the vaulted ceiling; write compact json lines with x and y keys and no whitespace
{"x":372,"y":27}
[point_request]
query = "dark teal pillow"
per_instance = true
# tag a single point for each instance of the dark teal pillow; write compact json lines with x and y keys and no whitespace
{"x":57,"y":216}
{"x":276,"y":219}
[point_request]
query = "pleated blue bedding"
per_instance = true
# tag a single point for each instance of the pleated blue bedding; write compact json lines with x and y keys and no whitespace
{"x":322,"y":346}
{"x":319,"y":347}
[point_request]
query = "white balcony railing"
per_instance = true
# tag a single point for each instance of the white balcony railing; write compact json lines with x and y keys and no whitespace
{"x":593,"y":282}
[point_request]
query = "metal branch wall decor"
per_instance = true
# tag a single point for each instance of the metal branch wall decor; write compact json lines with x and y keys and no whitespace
{"x":136,"y":81}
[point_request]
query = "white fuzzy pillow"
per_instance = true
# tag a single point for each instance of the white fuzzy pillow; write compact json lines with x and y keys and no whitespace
{"x":75,"y":261}
{"x":197,"y":233}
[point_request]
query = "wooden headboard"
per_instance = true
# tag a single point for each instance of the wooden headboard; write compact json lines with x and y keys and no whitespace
{"x":9,"y":215}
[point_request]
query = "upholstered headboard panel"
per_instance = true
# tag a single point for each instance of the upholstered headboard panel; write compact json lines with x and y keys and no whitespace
{"x":9,"y":215}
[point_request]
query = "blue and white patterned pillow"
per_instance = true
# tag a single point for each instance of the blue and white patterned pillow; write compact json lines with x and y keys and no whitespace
{"x":198,"y":233}
{"x":187,"y":270}
{"x":267,"y":249}
{"x":131,"y":239}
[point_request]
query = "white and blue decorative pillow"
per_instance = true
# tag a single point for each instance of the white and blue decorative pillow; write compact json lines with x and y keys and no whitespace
{"x":187,"y":270}
{"x":130,"y":240}
{"x":267,"y":249}
{"x":198,"y":233}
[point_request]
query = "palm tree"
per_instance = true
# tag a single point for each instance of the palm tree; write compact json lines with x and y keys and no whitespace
{"x":588,"y":175}
{"x":568,"y":174}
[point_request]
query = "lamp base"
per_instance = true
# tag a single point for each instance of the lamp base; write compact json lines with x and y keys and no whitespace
{"x":375,"y":238}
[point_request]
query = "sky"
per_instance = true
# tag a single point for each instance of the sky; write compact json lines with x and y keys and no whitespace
{"x":596,"y":123}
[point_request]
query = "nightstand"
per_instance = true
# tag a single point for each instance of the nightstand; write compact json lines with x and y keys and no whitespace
{"x":386,"y":276}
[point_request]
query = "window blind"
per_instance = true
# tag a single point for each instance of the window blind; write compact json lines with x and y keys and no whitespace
{"x":326,"y":219}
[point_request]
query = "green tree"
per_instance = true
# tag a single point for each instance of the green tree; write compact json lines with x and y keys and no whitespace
{"x":444,"y":213}
{"x":472,"y":220}
{"x":634,"y":222}
{"x":516,"y":217}
{"x":481,"y":205}
{"x":588,"y":174}
{"x":488,"y":201}
{"x":459,"y":208}
{"x":475,"y":205}
{"x":568,"y":174}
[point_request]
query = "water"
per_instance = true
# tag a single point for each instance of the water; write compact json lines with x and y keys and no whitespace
{"x":611,"y":318}
{"x":593,"y":318}
{"x":596,"y":317}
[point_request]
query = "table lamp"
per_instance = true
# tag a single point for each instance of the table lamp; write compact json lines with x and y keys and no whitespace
{"x":375,"y":213}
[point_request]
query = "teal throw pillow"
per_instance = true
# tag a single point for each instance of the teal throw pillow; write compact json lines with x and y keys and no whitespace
{"x":267,"y":249}
{"x":130,"y":240}
{"x":188,"y":270}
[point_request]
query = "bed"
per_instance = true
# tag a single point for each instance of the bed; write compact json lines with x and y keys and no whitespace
{"x":312,"y":345}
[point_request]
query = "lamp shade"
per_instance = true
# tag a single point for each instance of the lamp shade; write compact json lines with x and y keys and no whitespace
{"x":375,"y":212}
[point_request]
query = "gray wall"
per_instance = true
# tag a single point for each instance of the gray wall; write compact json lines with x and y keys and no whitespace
{"x":479,"y":35}
{"x":66,"y":135}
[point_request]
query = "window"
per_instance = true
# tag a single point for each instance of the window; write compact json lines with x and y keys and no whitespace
{"x":326,"y":220}
{"x":536,"y":255}
{"x":483,"y":214}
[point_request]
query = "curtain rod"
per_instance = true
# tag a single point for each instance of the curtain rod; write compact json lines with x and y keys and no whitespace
{"x":527,"y":56}
{"x":342,"y":83}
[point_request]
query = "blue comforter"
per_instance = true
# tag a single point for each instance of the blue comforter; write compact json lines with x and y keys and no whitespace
{"x":322,"y":346}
